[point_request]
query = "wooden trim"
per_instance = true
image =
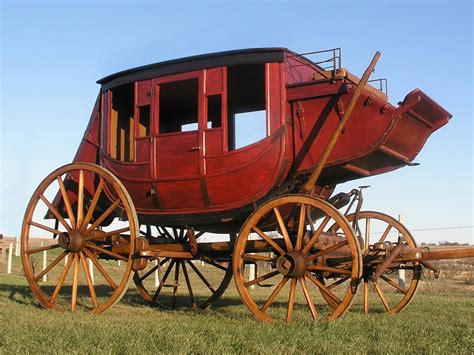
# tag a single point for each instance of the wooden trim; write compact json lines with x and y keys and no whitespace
{"x":205,"y":193}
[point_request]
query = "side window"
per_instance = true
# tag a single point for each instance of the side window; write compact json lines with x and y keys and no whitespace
{"x":143,"y":121}
{"x":122,"y":132}
{"x":214,"y":111}
{"x":247,"y":118}
{"x":178,"y":108}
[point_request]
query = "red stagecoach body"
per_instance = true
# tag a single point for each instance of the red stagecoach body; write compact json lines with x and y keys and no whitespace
{"x":166,"y":147}
{"x":169,"y":131}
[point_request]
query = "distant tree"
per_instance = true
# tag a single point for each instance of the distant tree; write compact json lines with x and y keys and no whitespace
{"x":447,"y":243}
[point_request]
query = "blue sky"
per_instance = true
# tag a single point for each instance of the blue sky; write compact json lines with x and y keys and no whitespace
{"x":53,"y":52}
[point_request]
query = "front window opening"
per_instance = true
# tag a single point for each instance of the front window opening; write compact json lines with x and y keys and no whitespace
{"x":144,"y":121}
{"x":122,"y":123}
{"x":179,"y":106}
{"x":246,"y":105}
{"x":214,"y":111}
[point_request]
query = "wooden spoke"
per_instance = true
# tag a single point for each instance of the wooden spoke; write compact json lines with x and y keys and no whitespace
{"x":104,"y":215}
{"x":201,"y":276}
{"x":151,"y":271}
{"x":385,"y":233}
{"x":213,"y":263}
{"x":50,"y":266}
{"x":80,"y":199}
{"x":269,"y":240}
{"x":393,"y":284}
{"x":100,"y":268}
{"x":262,"y":278}
{"x":323,"y":288}
{"x":309,"y":219}
{"x":257,"y":257}
{"x":382,"y":297}
{"x":107,"y":252}
{"x":315,"y":236}
{"x":61,"y":280}
{"x":291,"y":300}
{"x":67,"y":203}
{"x":329,"y":269}
{"x":327,"y":250}
{"x":55,"y":212}
{"x":176,"y":284}
{"x":175,"y":234}
{"x":274,"y":294}
{"x":309,"y":300}
{"x":301,"y":228}
{"x":46,"y":228}
{"x":167,"y":233}
{"x":47,"y":247}
{"x":88,"y":279}
{"x":366,"y":296}
{"x":75,"y":282}
{"x":108,"y":234}
{"x":367,"y":234}
{"x":281,"y":224}
{"x":95,"y":199}
{"x":188,"y":284}
{"x":338,"y":282}
{"x":163,"y":280}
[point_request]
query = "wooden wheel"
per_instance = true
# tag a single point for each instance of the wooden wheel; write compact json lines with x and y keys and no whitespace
{"x":388,"y":293}
{"x":293,"y":252}
{"x":172,"y":283}
{"x":81,"y":265}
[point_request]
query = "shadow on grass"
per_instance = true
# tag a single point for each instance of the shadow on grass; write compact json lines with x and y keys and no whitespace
{"x":22,"y":294}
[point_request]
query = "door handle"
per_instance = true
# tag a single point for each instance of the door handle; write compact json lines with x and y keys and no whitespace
{"x":194,"y":149}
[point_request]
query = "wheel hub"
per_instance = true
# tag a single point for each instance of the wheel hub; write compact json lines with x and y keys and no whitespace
{"x":71,"y":241}
{"x":291,"y":264}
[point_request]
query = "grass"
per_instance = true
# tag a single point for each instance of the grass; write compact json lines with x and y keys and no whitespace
{"x":433,"y":322}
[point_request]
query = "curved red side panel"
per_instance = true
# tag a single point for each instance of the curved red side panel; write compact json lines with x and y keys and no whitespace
{"x":377,"y":138}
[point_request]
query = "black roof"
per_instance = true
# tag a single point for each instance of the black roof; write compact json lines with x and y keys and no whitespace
{"x":197,"y":62}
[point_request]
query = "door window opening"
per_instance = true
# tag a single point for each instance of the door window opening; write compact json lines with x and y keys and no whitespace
{"x":247,"y":121}
{"x":143,"y":121}
{"x":122,"y":123}
{"x":214,"y":111}
{"x":178,"y":108}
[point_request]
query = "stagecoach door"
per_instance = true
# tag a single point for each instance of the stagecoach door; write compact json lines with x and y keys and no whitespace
{"x":179,"y":139}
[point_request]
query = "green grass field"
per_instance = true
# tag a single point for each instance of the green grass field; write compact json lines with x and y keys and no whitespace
{"x":436,"y":321}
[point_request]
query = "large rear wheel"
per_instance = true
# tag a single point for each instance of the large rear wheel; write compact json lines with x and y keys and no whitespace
{"x":293,"y":252}
{"x":82,"y":269}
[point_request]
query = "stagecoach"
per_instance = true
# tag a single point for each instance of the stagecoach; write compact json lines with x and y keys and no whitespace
{"x":246,"y":144}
